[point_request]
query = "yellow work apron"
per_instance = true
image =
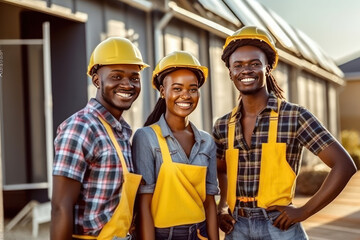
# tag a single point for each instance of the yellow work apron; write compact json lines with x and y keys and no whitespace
{"x":179,"y":192}
{"x":277,"y":179}
{"x":120,"y":222}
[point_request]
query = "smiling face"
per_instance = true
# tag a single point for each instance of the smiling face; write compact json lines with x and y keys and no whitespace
{"x":247,"y":68}
{"x":118,"y":87}
{"x":181,"y":92}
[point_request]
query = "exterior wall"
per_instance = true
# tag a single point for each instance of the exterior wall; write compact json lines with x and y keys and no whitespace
{"x":316,"y":94}
{"x":350,"y":106}
{"x":22,"y":117}
{"x":282,"y":76}
{"x":224,"y":94}
{"x":14,"y":148}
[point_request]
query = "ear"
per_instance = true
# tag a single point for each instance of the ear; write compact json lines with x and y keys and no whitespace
{"x":96,"y":80}
{"x":162,"y":91}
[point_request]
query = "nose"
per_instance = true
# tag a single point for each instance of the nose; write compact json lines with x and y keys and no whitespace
{"x":185,"y":95}
{"x":126,"y":83}
{"x":247,"y":68}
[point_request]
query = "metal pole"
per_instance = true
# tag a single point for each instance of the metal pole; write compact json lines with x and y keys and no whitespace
{"x":48,"y":104}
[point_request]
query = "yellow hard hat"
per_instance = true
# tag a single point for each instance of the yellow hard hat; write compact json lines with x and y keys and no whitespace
{"x":115,"y":50}
{"x":178,"y":59}
{"x":262,"y":40}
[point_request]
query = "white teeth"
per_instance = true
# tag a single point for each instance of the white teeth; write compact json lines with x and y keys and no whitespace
{"x":183,"y":104}
{"x":124,"y":95}
{"x":248,"y":79}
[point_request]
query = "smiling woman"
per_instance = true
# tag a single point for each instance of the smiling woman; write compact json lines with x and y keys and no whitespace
{"x":180,"y":90}
{"x":183,"y":172}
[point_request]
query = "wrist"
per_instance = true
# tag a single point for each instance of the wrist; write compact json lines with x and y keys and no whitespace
{"x":223,"y":210}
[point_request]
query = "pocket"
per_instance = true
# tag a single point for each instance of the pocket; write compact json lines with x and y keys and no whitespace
{"x":273,"y":216}
{"x":203,"y":159}
{"x":277,"y":179}
{"x":296,"y":231}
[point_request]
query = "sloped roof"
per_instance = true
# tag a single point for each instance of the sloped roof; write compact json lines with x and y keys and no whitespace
{"x":251,"y":12}
{"x":351,"y":69}
{"x":351,"y":66}
{"x":229,"y":15}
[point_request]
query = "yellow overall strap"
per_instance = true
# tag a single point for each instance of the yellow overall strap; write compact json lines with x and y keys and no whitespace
{"x":273,"y":124}
{"x":120,"y":222}
{"x":162,"y":143}
{"x":232,"y":162}
{"x":231,"y":129}
{"x":116,"y":144}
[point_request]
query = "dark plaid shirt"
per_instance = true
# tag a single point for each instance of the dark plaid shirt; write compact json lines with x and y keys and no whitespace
{"x":297,"y":127}
{"x":84,"y":152}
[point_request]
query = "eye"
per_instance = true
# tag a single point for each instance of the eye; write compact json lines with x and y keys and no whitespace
{"x":256,"y":64}
{"x":194,"y":90}
{"x":135,"y":79}
{"x":177,"y":89}
{"x":116,"y":77}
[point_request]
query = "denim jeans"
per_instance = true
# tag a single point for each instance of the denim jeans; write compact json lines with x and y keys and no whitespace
{"x":258,"y":225}
{"x":125,"y":238}
{"x":182,"y":232}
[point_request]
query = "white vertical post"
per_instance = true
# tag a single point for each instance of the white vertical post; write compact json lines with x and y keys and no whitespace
{"x":48,"y":104}
{"x":1,"y":153}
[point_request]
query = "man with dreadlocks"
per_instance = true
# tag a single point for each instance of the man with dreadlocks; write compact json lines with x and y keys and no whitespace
{"x":259,"y":148}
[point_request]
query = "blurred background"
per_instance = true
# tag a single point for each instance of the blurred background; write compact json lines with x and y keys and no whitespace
{"x":45,"y":46}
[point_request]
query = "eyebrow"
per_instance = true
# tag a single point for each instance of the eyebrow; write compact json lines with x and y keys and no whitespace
{"x":183,"y":84}
{"x":251,"y":60}
{"x":122,"y":71}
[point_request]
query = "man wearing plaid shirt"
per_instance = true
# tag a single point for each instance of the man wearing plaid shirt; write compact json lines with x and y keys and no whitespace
{"x":259,"y":148}
{"x":87,"y":172}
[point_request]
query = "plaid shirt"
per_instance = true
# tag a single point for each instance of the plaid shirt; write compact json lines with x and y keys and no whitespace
{"x":84,"y":152}
{"x":297,"y":127}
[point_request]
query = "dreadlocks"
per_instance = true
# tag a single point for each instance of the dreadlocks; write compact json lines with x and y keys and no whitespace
{"x":271,"y":83}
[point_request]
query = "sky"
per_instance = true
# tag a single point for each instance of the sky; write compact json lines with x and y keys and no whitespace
{"x":333,"y":24}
